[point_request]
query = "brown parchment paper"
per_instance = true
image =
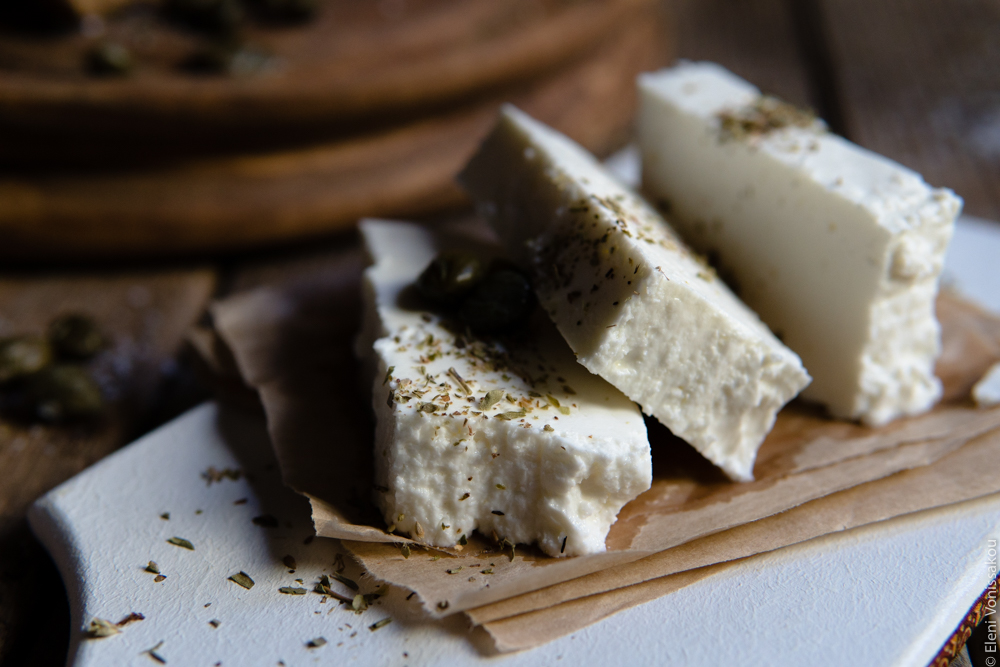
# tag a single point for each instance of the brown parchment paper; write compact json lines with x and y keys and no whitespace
{"x":293,"y":345}
{"x":969,"y":473}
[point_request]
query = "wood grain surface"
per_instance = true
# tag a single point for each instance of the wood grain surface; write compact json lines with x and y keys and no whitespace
{"x":919,"y":81}
{"x":146,"y":316}
{"x":356,"y":64}
{"x":240,"y":202}
{"x":755,"y":39}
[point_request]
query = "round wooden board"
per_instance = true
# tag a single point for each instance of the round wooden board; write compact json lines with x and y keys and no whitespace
{"x":356,"y":64}
{"x":237,"y":203}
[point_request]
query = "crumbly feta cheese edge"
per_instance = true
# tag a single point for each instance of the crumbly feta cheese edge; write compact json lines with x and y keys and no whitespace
{"x":562,"y":489}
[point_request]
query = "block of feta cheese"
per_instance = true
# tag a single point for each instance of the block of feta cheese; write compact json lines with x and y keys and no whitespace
{"x":838,"y":249}
{"x":513,"y":438}
{"x":986,"y":392}
{"x":637,"y":307}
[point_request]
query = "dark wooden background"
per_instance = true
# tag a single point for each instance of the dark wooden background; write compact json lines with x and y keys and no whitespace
{"x":916,"y":80}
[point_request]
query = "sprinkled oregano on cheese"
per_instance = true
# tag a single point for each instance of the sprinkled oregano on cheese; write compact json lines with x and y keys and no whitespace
{"x":507,"y":416}
{"x":453,"y":374}
{"x":181,"y":542}
{"x":388,"y":375}
{"x":548,"y":427}
{"x":379,"y":624}
{"x":405,"y":549}
{"x":501,"y":487}
{"x":492,"y":398}
{"x":289,"y":562}
{"x":152,"y":567}
{"x":243,"y":579}
{"x":426,"y":407}
{"x":292,"y":590}
{"x":765,"y":115}
{"x":359,"y":604}
{"x":316,"y":643}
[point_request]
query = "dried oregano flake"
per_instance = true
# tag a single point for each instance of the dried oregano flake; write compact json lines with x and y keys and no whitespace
{"x":243,"y":579}
{"x":152,"y":653}
{"x":181,"y":542}
{"x":492,"y":398}
{"x":350,"y":583}
{"x":99,"y":628}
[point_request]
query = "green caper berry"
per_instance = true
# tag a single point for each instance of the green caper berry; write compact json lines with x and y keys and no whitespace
{"x":499,"y":303}
{"x":64,"y":392}
{"x":109,"y":59}
{"x":22,"y":356}
{"x":75,"y":336}
{"x":450,"y":277}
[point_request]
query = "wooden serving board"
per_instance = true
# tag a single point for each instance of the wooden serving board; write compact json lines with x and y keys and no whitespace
{"x":232,"y":203}
{"x":357,"y":64}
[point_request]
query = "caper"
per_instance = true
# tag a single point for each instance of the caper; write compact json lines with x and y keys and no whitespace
{"x":75,"y":336}
{"x":109,"y":59}
{"x":218,"y":16}
{"x":64,"y":392}
{"x":499,"y":303}
{"x":22,"y":356}
{"x":449,"y":277}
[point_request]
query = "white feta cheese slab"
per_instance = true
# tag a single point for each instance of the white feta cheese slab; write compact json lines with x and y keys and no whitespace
{"x":838,"y":249}
{"x":552,"y":460}
{"x":637,"y":307}
{"x":986,"y":392}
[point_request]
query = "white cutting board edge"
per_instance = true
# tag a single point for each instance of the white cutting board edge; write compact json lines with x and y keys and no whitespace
{"x":886,"y":594}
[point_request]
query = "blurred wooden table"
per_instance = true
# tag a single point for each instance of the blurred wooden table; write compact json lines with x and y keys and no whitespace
{"x":916,"y":80}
